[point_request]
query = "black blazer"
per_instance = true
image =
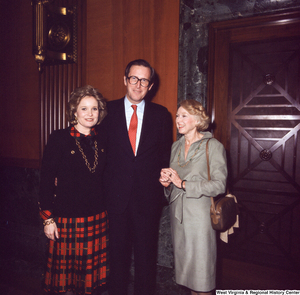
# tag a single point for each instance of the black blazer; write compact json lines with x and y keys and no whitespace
{"x":126,"y":174}
{"x":79,"y":193}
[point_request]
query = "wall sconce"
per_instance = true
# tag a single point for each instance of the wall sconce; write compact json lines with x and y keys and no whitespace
{"x":54,"y":33}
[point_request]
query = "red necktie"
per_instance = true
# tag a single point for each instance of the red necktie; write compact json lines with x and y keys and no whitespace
{"x":133,"y":128}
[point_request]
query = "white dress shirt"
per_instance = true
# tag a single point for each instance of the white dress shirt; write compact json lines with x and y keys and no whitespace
{"x":140,"y":115}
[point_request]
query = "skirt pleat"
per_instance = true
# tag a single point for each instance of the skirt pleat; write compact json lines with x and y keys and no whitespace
{"x":78,"y":260}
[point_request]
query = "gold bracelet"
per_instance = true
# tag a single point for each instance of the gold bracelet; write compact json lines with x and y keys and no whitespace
{"x":47,"y":222}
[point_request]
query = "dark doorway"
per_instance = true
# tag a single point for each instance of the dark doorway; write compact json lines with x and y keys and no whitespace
{"x":254,"y":98}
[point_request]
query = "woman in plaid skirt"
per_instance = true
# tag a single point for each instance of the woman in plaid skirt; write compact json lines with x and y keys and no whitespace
{"x":72,"y":199}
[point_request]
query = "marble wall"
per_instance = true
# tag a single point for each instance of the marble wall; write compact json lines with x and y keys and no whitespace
{"x":195,"y":15}
{"x":23,"y":244}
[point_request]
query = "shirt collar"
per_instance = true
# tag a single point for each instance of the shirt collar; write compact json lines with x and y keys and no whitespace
{"x":79,"y":136}
{"x":128,"y":104}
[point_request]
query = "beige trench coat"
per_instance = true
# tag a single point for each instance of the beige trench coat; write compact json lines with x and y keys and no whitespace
{"x":194,"y":240}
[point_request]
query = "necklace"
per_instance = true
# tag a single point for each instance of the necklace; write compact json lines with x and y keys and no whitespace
{"x":188,"y":161}
{"x":85,"y":159}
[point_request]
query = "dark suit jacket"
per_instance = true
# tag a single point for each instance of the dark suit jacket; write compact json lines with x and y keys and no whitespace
{"x":127,"y":175}
{"x":79,"y":193}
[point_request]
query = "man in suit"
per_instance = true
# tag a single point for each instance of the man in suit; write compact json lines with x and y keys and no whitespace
{"x":134,"y":194}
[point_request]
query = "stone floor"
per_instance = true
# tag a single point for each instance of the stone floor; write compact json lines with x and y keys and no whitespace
{"x":22,"y":278}
{"x":19,"y":277}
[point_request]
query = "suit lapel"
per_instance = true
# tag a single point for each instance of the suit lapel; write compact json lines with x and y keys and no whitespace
{"x":146,"y":129}
{"x":120,"y":129}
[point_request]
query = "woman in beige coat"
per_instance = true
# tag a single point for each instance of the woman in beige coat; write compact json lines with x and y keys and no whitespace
{"x":189,"y":192}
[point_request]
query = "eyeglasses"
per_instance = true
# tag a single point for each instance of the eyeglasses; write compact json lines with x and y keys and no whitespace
{"x":134,"y":80}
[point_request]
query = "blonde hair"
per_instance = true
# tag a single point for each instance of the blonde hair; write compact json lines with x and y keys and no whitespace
{"x":196,"y":109}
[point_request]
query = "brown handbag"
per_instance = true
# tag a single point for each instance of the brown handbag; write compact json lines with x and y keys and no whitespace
{"x":223,"y":212}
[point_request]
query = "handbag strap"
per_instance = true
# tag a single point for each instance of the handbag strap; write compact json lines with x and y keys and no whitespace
{"x":207,"y":160}
{"x":208,"y":171}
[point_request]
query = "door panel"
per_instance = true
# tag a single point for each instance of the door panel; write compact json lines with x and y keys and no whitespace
{"x":264,"y":144}
{"x":261,"y":137}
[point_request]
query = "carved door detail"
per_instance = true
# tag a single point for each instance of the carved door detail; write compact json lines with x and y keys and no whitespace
{"x":265,"y":147}
{"x":254,"y":99}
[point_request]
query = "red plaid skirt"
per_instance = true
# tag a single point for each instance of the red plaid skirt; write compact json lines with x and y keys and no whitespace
{"x":78,"y":260}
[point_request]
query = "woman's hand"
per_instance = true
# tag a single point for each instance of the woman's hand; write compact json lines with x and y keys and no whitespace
{"x":164,"y":177}
{"x":174,"y":177}
{"x":51,"y":231}
{"x":168,"y":175}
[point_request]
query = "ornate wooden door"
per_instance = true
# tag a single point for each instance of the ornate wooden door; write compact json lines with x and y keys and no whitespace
{"x":254,"y":99}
